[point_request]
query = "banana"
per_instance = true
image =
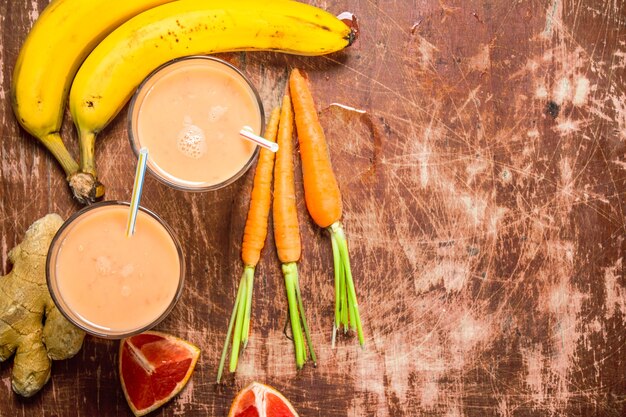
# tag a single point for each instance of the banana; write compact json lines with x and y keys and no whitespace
{"x":111,"y":73}
{"x":61,"y":38}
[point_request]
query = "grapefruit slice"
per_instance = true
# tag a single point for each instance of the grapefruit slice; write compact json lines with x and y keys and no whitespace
{"x":258,"y":400}
{"x":153,"y":368}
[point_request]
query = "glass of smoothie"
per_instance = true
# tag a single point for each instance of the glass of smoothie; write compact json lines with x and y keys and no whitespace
{"x":111,"y":285}
{"x":188,"y":113}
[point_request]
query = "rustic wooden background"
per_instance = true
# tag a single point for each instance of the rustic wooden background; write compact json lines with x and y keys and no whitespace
{"x":484,"y":192}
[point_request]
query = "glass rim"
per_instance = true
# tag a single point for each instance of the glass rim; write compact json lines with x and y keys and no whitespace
{"x":134,"y":142}
{"x":58,"y":299}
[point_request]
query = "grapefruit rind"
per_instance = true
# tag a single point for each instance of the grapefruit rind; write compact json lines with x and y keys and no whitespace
{"x":194,"y":352}
{"x":258,"y":389}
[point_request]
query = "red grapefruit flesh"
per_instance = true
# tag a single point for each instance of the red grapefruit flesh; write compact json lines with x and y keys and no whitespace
{"x":257,"y":400}
{"x":153,"y":368}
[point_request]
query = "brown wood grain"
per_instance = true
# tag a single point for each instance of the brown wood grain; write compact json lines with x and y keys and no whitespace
{"x":484,"y":195}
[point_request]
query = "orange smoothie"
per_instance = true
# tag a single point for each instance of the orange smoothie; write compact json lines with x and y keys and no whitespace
{"x":189,"y":114}
{"x":107,"y":282}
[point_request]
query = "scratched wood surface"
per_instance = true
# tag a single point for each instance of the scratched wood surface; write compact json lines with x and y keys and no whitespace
{"x":484,"y":193}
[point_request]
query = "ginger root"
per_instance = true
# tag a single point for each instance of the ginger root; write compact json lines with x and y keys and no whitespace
{"x":24,"y":301}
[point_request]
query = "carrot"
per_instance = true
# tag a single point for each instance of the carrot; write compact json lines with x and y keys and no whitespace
{"x":286,"y":228}
{"x":254,"y":236}
{"x":255,"y":231}
{"x":287,"y":233}
{"x":323,"y":201}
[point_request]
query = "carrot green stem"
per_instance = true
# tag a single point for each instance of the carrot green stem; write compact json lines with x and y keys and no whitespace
{"x":343,"y":294}
{"x":239,"y":323}
{"x":340,"y":294}
{"x":352,"y":312}
{"x":290,"y":272}
{"x":241,"y":314}
{"x":344,"y":307}
{"x":248,"y":273}
{"x":338,"y":278}
{"x":307,"y":334}
{"x":229,"y":333}
{"x":348,"y":302}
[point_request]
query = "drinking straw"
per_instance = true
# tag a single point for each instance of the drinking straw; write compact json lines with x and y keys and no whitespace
{"x":247,"y":133}
{"x":137,"y":188}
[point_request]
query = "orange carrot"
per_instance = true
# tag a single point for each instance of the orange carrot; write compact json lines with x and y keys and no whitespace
{"x":323,"y":200}
{"x":254,"y":236}
{"x":255,"y":232}
{"x":286,"y":228}
{"x":321,"y":192}
{"x":287,"y":233}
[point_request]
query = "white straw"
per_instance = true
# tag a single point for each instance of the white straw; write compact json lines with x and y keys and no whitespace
{"x":247,"y":133}
{"x":137,"y":188}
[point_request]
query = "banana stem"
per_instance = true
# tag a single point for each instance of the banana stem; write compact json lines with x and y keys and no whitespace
{"x":55,"y":145}
{"x":87,"y":143}
{"x":347,"y":293}
{"x":85,"y":185}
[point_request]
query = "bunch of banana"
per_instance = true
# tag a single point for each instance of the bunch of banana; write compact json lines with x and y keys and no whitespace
{"x":118,"y":64}
{"x":64,"y":34}
{"x":111,"y":73}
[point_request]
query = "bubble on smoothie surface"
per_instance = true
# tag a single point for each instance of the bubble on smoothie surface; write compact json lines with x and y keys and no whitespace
{"x":216,"y":113}
{"x":104,"y":266}
{"x":191,"y":141}
{"x":126,"y":290}
{"x":127,"y":270}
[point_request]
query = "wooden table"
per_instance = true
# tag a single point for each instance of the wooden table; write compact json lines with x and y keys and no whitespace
{"x":484,"y":193}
